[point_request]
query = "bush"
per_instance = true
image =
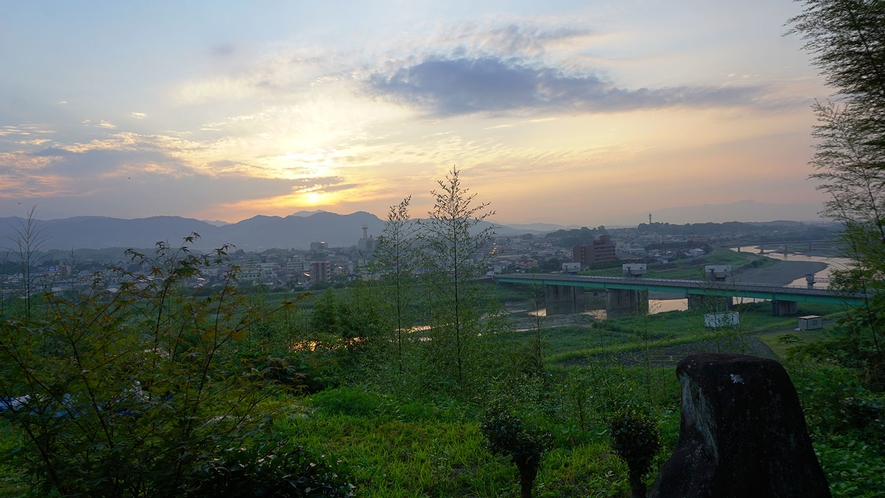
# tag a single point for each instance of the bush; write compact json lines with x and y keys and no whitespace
{"x":635,"y":439}
{"x":304,"y":373}
{"x":131,"y":392}
{"x":505,"y":434}
{"x":277,"y":470}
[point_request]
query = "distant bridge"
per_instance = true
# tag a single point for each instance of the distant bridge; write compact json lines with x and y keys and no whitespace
{"x":783,"y":298}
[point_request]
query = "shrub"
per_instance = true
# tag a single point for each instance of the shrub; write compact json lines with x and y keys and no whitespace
{"x":634,"y":437}
{"x":505,"y":434}
{"x":130,"y":392}
{"x":278,"y":470}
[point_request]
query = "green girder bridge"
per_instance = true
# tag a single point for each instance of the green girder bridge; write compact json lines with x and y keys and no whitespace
{"x":624,"y":292}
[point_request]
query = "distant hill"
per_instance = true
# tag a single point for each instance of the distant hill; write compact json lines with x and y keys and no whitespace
{"x":295,"y":231}
{"x":253,"y":234}
{"x":744,"y":211}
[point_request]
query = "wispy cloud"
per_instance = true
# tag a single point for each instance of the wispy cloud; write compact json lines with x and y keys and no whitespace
{"x":24,"y":130}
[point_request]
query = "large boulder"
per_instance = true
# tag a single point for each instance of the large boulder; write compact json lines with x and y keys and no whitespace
{"x":742,"y":433}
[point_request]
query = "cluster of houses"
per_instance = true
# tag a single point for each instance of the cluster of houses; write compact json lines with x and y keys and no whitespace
{"x":323,"y":265}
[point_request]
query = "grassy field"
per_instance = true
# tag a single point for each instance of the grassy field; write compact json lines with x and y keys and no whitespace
{"x":430,"y":446}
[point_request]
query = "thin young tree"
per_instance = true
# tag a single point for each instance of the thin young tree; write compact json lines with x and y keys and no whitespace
{"x":453,"y":260}
{"x":395,"y":261}
{"x":25,"y":246}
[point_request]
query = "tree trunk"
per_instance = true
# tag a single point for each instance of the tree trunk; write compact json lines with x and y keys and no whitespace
{"x":637,"y":486}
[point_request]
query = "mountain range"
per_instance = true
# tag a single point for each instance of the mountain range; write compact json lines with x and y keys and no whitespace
{"x":295,"y":231}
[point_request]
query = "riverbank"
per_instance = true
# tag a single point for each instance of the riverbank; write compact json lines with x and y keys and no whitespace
{"x":779,"y":272}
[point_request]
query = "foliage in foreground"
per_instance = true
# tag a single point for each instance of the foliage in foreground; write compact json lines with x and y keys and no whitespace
{"x":137,"y":392}
{"x":844,"y":38}
{"x":278,"y":470}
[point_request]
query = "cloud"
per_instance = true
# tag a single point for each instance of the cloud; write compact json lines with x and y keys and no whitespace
{"x":106,"y":124}
{"x":132,"y":174}
{"x":50,"y":152}
{"x":38,"y":141}
{"x":455,"y":86}
{"x":24,"y":130}
{"x":526,"y":39}
{"x":139,"y":115}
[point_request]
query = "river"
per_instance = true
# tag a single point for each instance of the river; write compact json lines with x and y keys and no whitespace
{"x":792,"y":275}
{"x":821,"y":277}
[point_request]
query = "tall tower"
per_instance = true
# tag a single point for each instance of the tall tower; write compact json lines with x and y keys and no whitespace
{"x":365,"y":231}
{"x":649,"y":219}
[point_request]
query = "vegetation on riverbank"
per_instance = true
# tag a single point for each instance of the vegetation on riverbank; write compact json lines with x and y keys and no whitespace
{"x":409,"y":442}
{"x":693,"y":269}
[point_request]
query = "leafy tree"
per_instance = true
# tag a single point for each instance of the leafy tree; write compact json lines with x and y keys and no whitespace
{"x":131,"y":391}
{"x":847,"y":41}
{"x":453,"y":260}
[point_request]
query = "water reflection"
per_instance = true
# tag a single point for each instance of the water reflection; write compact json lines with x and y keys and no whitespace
{"x":654,"y":306}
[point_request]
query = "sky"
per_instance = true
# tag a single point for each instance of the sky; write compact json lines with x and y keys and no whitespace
{"x":570,"y":112}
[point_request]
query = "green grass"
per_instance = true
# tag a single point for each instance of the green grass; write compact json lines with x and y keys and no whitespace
{"x":776,"y":341}
{"x":561,"y":340}
{"x":398,"y":454}
{"x":12,"y":483}
{"x":432,"y":447}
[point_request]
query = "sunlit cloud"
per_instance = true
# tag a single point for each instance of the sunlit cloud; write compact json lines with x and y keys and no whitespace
{"x":38,"y":141}
{"x":24,"y":130}
{"x":564,"y":110}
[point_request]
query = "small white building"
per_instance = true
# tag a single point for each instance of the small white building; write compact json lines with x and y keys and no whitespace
{"x":717,"y":272}
{"x":634,"y":270}
{"x":810,"y":322}
{"x":722,"y":319}
{"x":571,"y":268}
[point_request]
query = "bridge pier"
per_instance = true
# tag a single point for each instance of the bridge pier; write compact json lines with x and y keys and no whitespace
{"x":629,"y":301}
{"x":712,"y":303}
{"x":563,"y":299}
{"x":783,"y":308}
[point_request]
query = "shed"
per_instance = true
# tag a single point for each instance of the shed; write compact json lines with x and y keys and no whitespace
{"x":810,"y":322}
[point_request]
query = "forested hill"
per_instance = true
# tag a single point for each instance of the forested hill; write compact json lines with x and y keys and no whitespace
{"x":295,"y":231}
{"x":769,"y":231}
{"x":259,"y":232}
